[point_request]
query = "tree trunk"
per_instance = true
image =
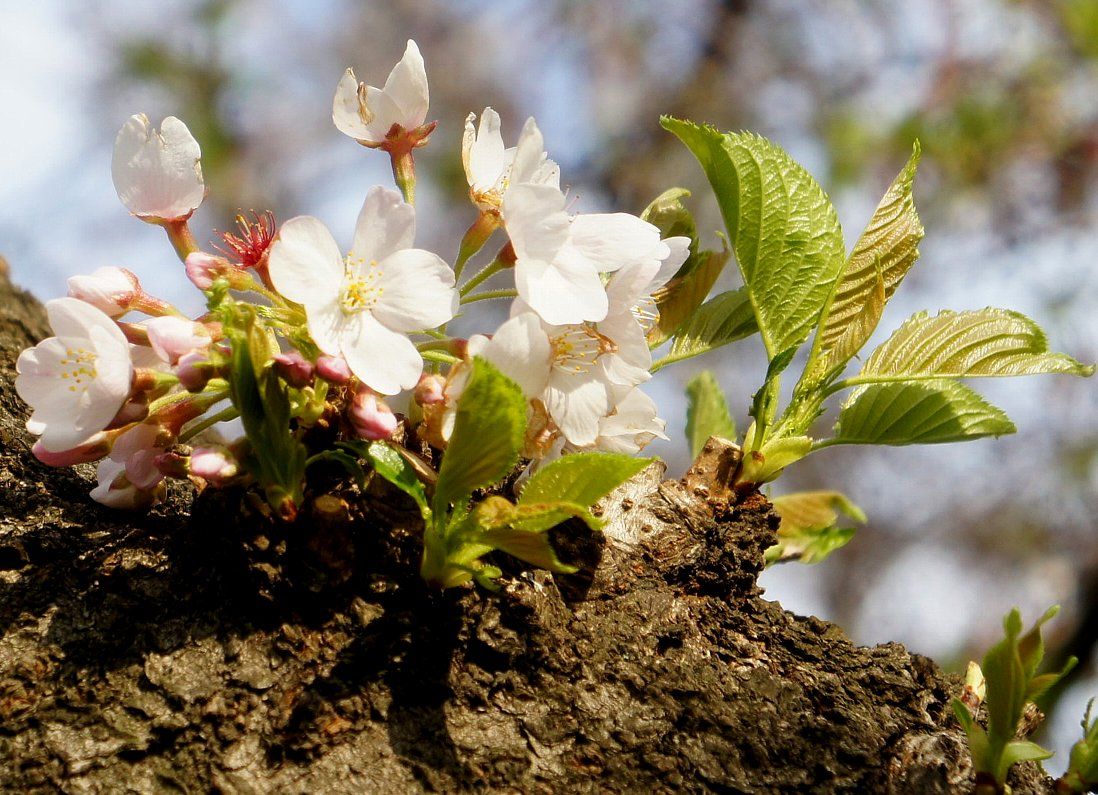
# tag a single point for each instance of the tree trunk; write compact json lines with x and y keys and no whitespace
{"x":212,"y":648}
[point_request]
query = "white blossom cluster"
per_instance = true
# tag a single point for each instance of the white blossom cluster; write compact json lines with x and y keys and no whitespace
{"x":355,"y":326}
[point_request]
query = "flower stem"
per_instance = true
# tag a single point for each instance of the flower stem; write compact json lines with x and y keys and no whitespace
{"x":227,"y":413}
{"x":440,"y":356}
{"x":490,"y":270}
{"x":489,"y":294}
{"x":179,"y":233}
{"x":434,"y":345}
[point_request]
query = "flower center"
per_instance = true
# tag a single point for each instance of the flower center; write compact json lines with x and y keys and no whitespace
{"x":361,"y":285}
{"x":79,"y":368}
{"x":578,"y":348}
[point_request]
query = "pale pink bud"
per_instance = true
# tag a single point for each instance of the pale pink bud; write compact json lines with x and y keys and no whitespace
{"x":203,"y":269}
{"x":215,"y":465}
{"x":371,"y":418}
{"x":92,"y":450}
{"x":194,"y":370}
{"x":110,"y":290}
{"x":333,"y":368}
{"x":431,"y":390}
{"x":294,"y":368}
{"x":171,"y":337}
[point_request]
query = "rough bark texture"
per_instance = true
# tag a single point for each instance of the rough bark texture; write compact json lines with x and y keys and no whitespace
{"x":215,"y":649}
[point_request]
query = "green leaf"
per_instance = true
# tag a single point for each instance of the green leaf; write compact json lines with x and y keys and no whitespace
{"x":929,"y":412}
{"x":391,"y":465}
{"x":706,"y":412}
{"x":884,"y":253}
{"x":809,"y":529}
{"x":722,"y":319}
{"x":1082,"y":773}
{"x":977,"y":737}
{"x":680,"y":298}
{"x":532,"y":547}
{"x":668,"y":214}
{"x":985,"y":342}
{"x":278,"y":458}
{"x":856,"y":332}
{"x":1020,"y":751}
{"x":1006,"y":689}
{"x":487,"y":437}
{"x":765,"y":464}
{"x":497,"y":512}
{"x":580,"y":479}
{"x":783,"y":228}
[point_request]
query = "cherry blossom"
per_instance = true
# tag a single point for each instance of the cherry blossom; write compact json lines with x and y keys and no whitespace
{"x":491,"y":169}
{"x":77,"y":380}
{"x":158,"y":173}
{"x":559,"y":257}
{"x":373,"y":116}
{"x":362,"y":306}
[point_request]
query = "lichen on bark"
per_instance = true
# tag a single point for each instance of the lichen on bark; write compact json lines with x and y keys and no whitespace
{"x":211,"y":647}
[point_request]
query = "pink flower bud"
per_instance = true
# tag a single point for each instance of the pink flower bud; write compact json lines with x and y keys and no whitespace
{"x":371,"y":418}
{"x":171,"y":337}
{"x":431,"y":390}
{"x":92,"y":450}
{"x":215,"y":465}
{"x":333,"y":368}
{"x":203,"y":269}
{"x":294,"y":368}
{"x":110,"y":290}
{"x":194,"y":370}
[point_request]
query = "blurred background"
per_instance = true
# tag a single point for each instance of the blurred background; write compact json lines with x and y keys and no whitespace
{"x":1003,"y":95}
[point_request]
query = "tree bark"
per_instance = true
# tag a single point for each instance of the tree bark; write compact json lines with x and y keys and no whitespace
{"x":208,"y":647}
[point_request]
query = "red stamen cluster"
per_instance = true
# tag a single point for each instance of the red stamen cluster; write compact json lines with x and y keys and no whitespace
{"x":250,"y":244}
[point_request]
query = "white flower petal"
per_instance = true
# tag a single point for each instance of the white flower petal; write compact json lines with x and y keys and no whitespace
{"x":417,"y":291}
{"x":349,"y":112}
{"x":560,"y":292}
{"x":385,"y":361}
{"x":529,"y":153}
{"x":305,"y":263}
{"x":406,"y":86}
{"x":631,"y":284}
{"x":629,"y":364}
{"x":386,"y":223}
{"x":520,"y":349}
{"x":483,"y":153}
{"x":577,"y":403}
{"x":536,"y":221}
{"x":679,"y":250}
{"x":70,"y":317}
{"x":326,"y":322}
{"x":611,"y":240}
{"x":157,"y":174}
{"x":384,"y":113}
